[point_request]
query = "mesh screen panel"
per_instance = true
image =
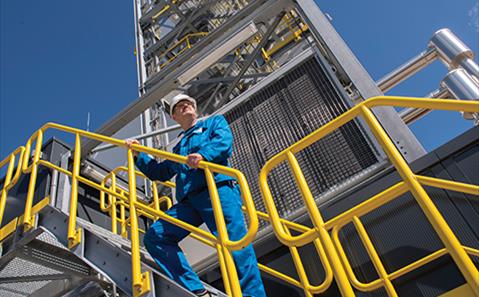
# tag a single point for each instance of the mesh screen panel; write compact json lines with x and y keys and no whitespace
{"x":284,"y":112}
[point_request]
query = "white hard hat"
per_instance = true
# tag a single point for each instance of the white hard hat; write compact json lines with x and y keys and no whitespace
{"x":170,"y":104}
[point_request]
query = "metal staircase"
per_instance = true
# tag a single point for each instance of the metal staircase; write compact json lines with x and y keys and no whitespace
{"x":100,"y":263}
{"x":49,"y":250}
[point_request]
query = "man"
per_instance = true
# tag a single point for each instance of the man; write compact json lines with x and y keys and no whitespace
{"x":209,"y":140}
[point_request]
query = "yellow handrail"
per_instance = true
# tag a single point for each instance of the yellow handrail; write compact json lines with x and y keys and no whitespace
{"x":342,"y":269}
{"x":329,"y":247}
{"x":9,"y":182}
{"x":304,"y":283}
{"x":184,"y":40}
{"x":111,"y":207}
{"x":140,"y":281}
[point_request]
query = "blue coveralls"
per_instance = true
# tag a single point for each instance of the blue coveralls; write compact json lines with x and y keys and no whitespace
{"x":212,"y":138}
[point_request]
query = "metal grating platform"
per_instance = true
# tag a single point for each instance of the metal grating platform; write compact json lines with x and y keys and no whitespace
{"x":18,"y":277}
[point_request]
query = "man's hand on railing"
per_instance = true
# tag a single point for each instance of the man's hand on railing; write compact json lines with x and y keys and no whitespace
{"x":192,"y":160}
{"x":129,"y":142}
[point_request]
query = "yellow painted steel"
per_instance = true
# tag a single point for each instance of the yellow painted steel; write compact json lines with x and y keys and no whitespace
{"x":454,"y":247}
{"x":448,"y":185}
{"x":223,"y":233}
{"x":368,"y":205}
{"x":11,"y":226}
{"x":112,"y":199}
{"x":33,"y":169}
{"x":462,"y":291}
{"x":314,"y":289}
{"x":329,"y":247}
{"x":410,"y":182}
{"x":74,"y":234}
{"x":185,"y":40}
{"x":373,"y":285}
{"x":415,"y":265}
{"x":166,"y":8}
{"x":141,"y":281}
{"x":10,"y":179}
{"x":127,"y":200}
{"x":373,"y":254}
{"x":471,"y":251}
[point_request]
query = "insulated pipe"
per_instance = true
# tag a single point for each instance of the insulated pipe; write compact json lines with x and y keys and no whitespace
{"x":471,"y":67}
{"x":453,"y":52}
{"x":443,"y":45}
{"x":461,"y":85}
{"x":410,"y":115}
{"x":407,"y":69}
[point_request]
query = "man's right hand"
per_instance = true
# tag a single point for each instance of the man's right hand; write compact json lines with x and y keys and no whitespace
{"x":129,"y":142}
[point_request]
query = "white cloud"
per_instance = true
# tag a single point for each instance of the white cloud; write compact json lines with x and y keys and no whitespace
{"x":474,"y":17}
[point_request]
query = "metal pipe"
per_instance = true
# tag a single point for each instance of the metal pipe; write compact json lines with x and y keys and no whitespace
{"x":139,"y":137}
{"x":461,"y":85}
{"x":451,"y":49}
{"x":410,"y":115}
{"x":407,"y":69}
{"x":471,"y":67}
{"x":53,"y":188}
{"x":457,"y":84}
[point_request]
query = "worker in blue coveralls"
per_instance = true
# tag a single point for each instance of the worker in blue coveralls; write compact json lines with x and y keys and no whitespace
{"x":209,"y":140}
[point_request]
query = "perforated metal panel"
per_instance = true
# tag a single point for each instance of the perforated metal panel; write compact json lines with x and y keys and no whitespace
{"x":284,"y":112}
{"x":19,"y":268}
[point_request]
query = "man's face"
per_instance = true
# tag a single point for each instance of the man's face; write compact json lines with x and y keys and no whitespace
{"x":182,"y":110}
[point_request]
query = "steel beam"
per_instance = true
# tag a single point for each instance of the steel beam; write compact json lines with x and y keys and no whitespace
{"x":251,"y":58}
{"x":226,"y":79}
{"x":33,"y":278}
{"x":167,"y":80}
{"x":326,"y":35}
{"x":55,"y":288}
{"x":56,"y":258}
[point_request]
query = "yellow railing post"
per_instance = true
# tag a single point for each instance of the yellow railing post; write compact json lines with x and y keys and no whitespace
{"x":141,"y":281}
{"x":113,"y":214}
{"x":338,"y":270}
{"x":74,"y":234}
{"x":373,"y":254}
{"x":222,"y":234}
{"x":8,"y":182}
{"x":452,"y":244}
{"x":303,"y":278}
{"x":28,"y":219}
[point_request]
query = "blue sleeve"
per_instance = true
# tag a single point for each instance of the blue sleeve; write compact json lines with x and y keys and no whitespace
{"x":219,"y":147}
{"x":154,"y":170}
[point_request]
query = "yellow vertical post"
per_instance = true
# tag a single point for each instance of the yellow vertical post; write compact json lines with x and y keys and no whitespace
{"x":27,"y":217}
{"x":452,"y":244}
{"x":141,"y":282}
{"x":74,"y":234}
{"x":223,"y":269}
{"x":373,"y":254}
{"x":123,"y":230}
{"x":156,"y":200}
{"x":338,"y":270}
{"x":299,"y":267}
{"x":6,"y":183}
{"x":222,"y":234}
{"x":114,"y":221}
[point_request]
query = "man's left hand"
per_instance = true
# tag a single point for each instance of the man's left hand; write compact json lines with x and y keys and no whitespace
{"x":192,"y":160}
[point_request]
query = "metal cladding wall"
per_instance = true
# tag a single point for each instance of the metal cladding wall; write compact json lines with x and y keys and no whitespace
{"x":17,"y":195}
{"x":401,"y":232}
{"x":284,"y":112}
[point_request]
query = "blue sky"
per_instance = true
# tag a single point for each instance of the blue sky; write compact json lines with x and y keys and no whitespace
{"x":60,"y":60}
